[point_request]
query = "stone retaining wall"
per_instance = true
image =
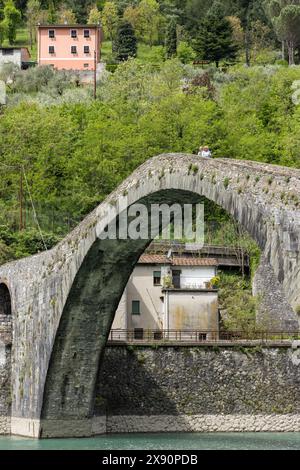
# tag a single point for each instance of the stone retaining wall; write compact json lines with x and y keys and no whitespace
{"x":203,"y":423}
{"x":205,"y":389}
{"x":5,"y":375}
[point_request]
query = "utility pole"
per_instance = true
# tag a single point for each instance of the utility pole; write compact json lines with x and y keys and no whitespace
{"x":21,"y":200}
{"x":95,"y":74}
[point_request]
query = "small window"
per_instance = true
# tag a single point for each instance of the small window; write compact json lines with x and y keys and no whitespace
{"x":176,"y":279}
{"x":138,"y":333}
{"x":86,"y":33}
{"x":51,"y":33}
{"x":157,"y":278}
{"x":86,"y":66}
{"x":136,"y":309}
{"x":86,"y":49}
{"x":74,"y":33}
{"x":73,"y":50}
{"x":7,"y":51}
{"x":51,"y":50}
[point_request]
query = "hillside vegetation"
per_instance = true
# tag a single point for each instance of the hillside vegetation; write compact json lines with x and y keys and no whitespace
{"x":74,"y":150}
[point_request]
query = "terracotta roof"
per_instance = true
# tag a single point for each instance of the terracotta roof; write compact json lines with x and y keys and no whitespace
{"x":86,"y":26}
{"x":194,"y":262}
{"x":177,"y":261}
{"x":154,"y":259}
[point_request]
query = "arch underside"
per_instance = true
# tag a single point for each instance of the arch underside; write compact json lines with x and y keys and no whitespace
{"x":5,"y":300}
{"x":88,"y":316}
{"x":90,"y":308}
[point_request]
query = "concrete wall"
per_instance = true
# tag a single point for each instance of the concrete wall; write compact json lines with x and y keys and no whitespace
{"x":15,"y":58}
{"x":200,"y":389}
{"x":192,"y":310}
{"x":186,"y":310}
{"x":140,"y":287}
{"x":121,"y":317}
{"x":195,"y":277}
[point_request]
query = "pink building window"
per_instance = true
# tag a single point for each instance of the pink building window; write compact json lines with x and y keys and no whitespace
{"x":86,"y":49}
{"x":51,"y":33}
{"x":73,"y":50}
{"x":86,"y":33}
{"x":74,"y":33}
{"x":51,"y":50}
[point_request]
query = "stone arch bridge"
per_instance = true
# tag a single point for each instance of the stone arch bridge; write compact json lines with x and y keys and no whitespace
{"x":63,"y":301}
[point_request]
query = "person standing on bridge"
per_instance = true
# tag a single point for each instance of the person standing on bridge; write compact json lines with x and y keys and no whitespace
{"x":205,"y":152}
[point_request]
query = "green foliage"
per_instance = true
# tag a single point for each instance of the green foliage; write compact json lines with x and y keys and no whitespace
{"x":25,"y":243}
{"x":126,"y":43}
{"x":76,"y":150}
{"x":285,"y":16}
{"x":214,"y":40}
{"x":171,"y":39}
{"x":236,"y":298}
{"x":11,"y":19}
{"x":185,"y":53}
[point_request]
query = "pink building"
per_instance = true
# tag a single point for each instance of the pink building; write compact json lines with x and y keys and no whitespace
{"x":72,"y":47}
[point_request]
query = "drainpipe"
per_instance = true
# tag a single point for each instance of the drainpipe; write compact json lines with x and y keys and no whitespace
{"x":39,"y":45}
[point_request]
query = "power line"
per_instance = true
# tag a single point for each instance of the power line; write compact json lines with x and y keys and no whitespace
{"x":12,"y":167}
{"x":33,"y":209}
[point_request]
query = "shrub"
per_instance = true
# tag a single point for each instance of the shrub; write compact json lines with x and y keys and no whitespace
{"x":185,"y":53}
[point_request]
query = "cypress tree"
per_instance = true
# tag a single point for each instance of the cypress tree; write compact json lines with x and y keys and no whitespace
{"x":171,"y":39}
{"x":126,"y":42}
{"x":214,"y":41}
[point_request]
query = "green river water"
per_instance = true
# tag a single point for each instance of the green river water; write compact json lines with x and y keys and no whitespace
{"x":214,"y":441}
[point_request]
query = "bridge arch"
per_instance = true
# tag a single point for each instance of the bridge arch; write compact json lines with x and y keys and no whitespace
{"x":59,"y":339}
{"x":5,"y":300}
{"x":102,"y":277}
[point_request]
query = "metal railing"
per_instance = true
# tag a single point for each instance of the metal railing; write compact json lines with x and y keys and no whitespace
{"x":143,"y":336}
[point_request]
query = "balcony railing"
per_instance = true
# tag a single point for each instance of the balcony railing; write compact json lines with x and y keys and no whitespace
{"x":143,"y":336}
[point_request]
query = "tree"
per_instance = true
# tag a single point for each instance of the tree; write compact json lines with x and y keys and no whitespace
{"x":132,"y":15}
{"x":110,"y":20}
{"x":215,"y":38}
{"x":66,"y":16}
{"x":3,"y":31}
{"x":149,"y":19}
{"x":52,"y":14}
{"x":249,"y":11}
{"x":194,"y":12}
{"x":237,"y":30}
{"x":80,"y":8}
{"x":285,"y":17}
{"x":12,"y":18}
{"x":126,"y":43}
{"x":94,"y":16}
{"x":1,"y":10}
{"x":171,"y":38}
{"x":146,"y":20}
{"x":260,"y":36}
{"x":32,"y":15}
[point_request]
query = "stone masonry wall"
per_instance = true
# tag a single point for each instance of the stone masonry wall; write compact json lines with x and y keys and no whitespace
{"x":5,"y":375}
{"x":200,"y":389}
{"x":273,"y":305}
